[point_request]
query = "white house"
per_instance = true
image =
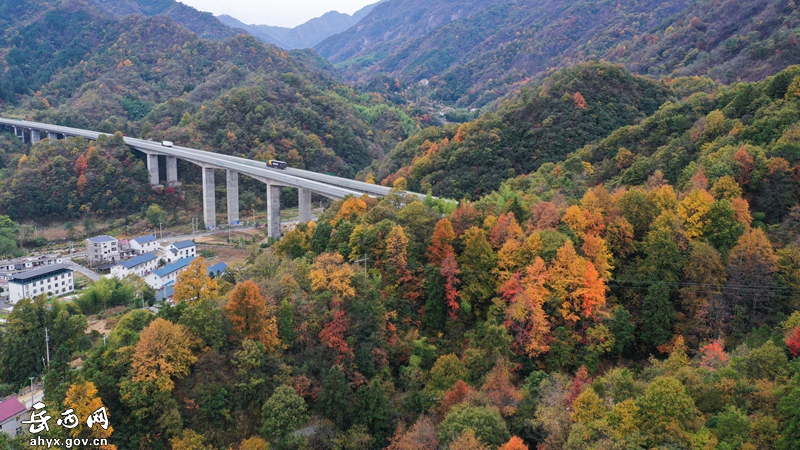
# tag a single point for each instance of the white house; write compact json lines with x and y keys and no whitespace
{"x":12,"y":413}
{"x":144,"y":244}
{"x":140,"y":265}
{"x":180,"y":250}
{"x":100,"y":249}
{"x":167,"y":274}
{"x":57,"y":279}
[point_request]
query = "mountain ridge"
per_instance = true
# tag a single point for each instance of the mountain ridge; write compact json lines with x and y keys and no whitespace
{"x":305,"y":35}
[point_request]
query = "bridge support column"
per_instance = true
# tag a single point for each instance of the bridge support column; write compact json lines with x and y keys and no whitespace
{"x":209,"y":202}
{"x":273,"y":211}
{"x":172,"y":171}
{"x":304,"y":204}
{"x":36,"y":136}
{"x":152,"y":167}
{"x":52,"y":136}
{"x":233,"y":197}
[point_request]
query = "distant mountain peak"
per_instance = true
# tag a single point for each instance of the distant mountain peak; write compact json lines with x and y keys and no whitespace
{"x":305,"y":35}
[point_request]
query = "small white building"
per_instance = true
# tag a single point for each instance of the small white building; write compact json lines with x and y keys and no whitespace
{"x":167,"y":274}
{"x":12,"y":414}
{"x":180,"y":250}
{"x":140,"y":265}
{"x":57,"y":279}
{"x":144,"y":244}
{"x":101,"y":249}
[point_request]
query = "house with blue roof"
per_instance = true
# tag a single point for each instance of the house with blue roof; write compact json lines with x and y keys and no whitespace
{"x":167,"y":274}
{"x":140,"y":265}
{"x":180,"y":250}
{"x":144,"y":244}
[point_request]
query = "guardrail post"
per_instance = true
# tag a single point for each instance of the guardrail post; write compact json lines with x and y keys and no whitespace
{"x":209,"y":202}
{"x":304,"y":204}
{"x":273,"y":211}
{"x":232,"y":189}
{"x":152,"y":167}
{"x":172,"y":171}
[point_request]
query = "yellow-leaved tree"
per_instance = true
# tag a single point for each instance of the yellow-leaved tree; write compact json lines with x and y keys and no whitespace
{"x":82,"y":398}
{"x":164,"y":351}
{"x":194,"y":284}
{"x":331,"y":273}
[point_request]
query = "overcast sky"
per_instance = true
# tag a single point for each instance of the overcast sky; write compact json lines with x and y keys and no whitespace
{"x":285,"y":13}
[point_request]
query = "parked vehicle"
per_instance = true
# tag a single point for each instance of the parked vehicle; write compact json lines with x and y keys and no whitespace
{"x":276,"y":164}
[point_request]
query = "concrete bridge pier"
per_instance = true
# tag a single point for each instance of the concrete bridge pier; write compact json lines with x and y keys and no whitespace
{"x":172,"y":171}
{"x":304,"y":204}
{"x":273,"y":211}
{"x":209,"y":202}
{"x":233,"y":196}
{"x":52,"y":136}
{"x":152,"y":167}
{"x":36,"y":136}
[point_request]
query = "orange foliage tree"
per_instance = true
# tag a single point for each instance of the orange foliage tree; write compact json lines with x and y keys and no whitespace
{"x":441,"y":242}
{"x":450,"y":271}
{"x":164,"y":351}
{"x":247,"y":311}
{"x":525,"y":316}
{"x":514,"y":443}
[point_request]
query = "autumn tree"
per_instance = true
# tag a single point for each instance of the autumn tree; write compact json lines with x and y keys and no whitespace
{"x":247,"y":311}
{"x":751,"y":268}
{"x":421,"y":436}
{"x":515,"y":443}
{"x":194,"y":283}
{"x":704,"y":276}
{"x":397,"y":255}
{"x":525,"y":315}
{"x":500,"y":389}
{"x":449,"y":272}
{"x":693,"y":212}
{"x":82,"y":398}
{"x":351,"y":206}
{"x":544,"y":216}
{"x":332,"y":333}
{"x":164,"y":352}
{"x":568,"y":283}
{"x":330,"y":273}
{"x":506,"y":228}
{"x":441,"y":242}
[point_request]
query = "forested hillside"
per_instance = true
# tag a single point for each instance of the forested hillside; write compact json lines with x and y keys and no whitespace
{"x":477,"y":52}
{"x":621,"y":269}
{"x":150,"y":77}
{"x":544,"y":123}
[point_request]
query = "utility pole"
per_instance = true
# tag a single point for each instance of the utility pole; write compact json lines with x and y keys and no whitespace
{"x":47,"y":344}
{"x":160,"y":231}
{"x":364,"y":260}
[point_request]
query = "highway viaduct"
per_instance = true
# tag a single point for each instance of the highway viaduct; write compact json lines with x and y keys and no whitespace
{"x":305,"y":181}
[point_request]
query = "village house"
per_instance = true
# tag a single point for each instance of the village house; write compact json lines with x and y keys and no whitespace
{"x":56,"y":279}
{"x":140,"y":265}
